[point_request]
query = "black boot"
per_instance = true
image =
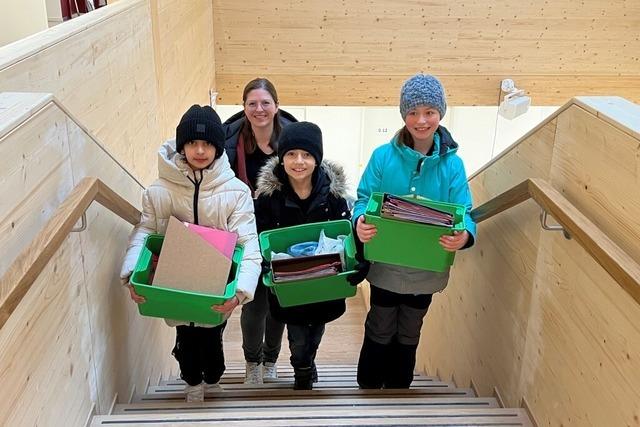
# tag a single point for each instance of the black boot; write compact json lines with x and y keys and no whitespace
{"x":303,"y":378}
{"x":314,"y":372}
{"x":372,"y":364}
{"x":402,"y":359}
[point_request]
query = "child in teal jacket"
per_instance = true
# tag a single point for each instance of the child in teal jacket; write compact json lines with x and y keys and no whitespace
{"x":421,"y":160}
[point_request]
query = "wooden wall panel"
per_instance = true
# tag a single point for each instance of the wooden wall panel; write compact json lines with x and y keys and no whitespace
{"x":531,"y":313}
{"x":183,"y":40}
{"x":127,"y":72}
{"x":359,"y":52}
{"x":35,"y":179}
{"x":100,"y":67}
{"x":44,"y":360}
{"x":582,"y":361}
{"x":76,"y":339}
{"x":597,"y":167}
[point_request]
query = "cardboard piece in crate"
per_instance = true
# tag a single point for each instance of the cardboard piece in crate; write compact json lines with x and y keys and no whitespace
{"x":189,"y":261}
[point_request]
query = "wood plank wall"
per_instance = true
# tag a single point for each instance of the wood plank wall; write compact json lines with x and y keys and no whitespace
{"x":127,"y":71}
{"x":359,"y":52}
{"x":531,"y":313}
{"x":184,"y":59}
{"x":76,"y":339}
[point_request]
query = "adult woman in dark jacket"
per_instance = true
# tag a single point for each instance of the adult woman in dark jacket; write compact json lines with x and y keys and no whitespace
{"x":295,"y":188}
{"x":251,"y":135}
{"x":250,"y":141}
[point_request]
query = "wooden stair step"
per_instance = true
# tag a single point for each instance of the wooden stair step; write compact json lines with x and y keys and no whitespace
{"x":217,"y":405}
{"x":290,"y":394}
{"x":335,"y":417}
{"x":288,"y":383}
{"x":288,"y":378}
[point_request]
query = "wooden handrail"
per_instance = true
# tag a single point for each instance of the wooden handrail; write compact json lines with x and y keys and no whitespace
{"x":622,"y":268}
{"x":29,"y":264}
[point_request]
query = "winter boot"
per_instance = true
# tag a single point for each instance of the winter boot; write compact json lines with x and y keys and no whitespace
{"x":303,"y":379}
{"x":372,"y":364}
{"x":402,"y":363}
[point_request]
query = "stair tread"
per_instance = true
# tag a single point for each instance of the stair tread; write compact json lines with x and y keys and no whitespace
{"x":214,"y":404}
{"x":288,"y":383}
{"x":327,"y":393}
{"x":346,"y":416}
{"x":288,"y":376}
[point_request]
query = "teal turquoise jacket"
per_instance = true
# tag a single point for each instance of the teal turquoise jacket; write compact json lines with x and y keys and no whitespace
{"x":397,"y":169}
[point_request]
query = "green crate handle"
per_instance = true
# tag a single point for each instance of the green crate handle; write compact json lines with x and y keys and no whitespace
{"x":267,"y":248}
{"x":349,"y":251}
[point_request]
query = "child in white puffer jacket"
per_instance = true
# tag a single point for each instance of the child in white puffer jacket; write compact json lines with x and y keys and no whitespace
{"x":196,"y":184}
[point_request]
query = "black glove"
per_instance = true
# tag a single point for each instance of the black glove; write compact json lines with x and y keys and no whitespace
{"x":265,"y":268}
{"x":361,"y":271}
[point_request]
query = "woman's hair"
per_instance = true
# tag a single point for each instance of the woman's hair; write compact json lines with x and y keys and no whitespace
{"x":404,"y":137}
{"x":250,"y":143}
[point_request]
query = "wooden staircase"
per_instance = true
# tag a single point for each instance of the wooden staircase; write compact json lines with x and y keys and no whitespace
{"x":334,"y":401}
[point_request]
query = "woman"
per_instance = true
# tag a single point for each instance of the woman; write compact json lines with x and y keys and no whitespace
{"x":250,"y":141}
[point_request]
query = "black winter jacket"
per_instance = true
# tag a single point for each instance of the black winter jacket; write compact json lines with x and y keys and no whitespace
{"x":276,"y":207}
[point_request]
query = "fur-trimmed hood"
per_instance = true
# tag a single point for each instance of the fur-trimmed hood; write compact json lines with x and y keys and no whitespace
{"x":269,"y":181}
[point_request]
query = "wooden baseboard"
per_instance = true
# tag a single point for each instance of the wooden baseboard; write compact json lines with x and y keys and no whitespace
{"x":132,"y":394}
{"x":113,"y":403}
{"x":525,"y":405}
{"x":474,"y":387}
{"x":498,"y":397}
{"x":90,"y":415}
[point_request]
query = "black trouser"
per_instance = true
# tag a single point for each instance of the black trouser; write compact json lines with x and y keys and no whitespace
{"x":304,"y":341}
{"x":392,"y":332}
{"x":199,"y":353}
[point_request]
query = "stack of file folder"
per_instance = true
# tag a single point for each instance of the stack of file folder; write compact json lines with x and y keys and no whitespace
{"x":329,"y":280}
{"x":409,"y":229}
{"x":394,"y":207}
{"x":306,"y":267}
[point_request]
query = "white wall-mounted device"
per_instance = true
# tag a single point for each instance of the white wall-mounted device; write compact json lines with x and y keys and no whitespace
{"x":515,"y":102}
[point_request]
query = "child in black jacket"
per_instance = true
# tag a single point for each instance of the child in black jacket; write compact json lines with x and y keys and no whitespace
{"x":298,"y":187}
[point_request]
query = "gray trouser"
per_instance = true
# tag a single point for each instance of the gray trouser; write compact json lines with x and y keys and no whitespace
{"x":395,"y":317}
{"x":261,"y":333}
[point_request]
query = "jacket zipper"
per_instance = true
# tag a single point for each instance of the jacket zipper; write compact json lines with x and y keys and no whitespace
{"x":196,"y":192}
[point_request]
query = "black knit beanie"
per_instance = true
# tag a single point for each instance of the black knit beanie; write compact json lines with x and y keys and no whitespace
{"x":305,"y":136}
{"x":200,"y":123}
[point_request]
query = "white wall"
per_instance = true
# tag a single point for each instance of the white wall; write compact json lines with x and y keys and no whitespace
{"x":350,"y":134}
{"x":54,"y":12}
{"x":19,"y":19}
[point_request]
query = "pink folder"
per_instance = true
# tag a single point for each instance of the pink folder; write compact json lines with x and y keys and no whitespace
{"x":223,"y":241}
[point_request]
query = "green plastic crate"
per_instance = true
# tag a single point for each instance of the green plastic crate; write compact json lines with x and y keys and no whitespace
{"x":411,"y":244}
{"x":173,"y":303}
{"x":319,"y":289}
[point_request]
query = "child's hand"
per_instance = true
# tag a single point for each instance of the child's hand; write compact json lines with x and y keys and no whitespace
{"x":365,"y":231}
{"x":455,"y":242}
{"x":138,"y":299}
{"x":228,"y":306}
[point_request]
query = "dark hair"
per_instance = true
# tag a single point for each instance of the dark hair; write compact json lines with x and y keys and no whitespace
{"x":404,"y":137}
{"x":250,"y":143}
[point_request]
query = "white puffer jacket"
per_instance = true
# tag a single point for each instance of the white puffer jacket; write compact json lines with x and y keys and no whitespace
{"x":224,"y":202}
